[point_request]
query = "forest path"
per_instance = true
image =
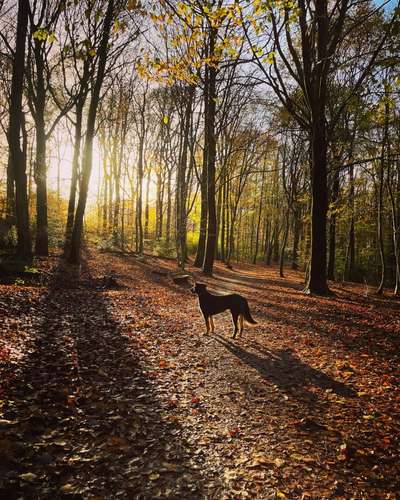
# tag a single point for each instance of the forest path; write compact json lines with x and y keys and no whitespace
{"x":118,"y":393}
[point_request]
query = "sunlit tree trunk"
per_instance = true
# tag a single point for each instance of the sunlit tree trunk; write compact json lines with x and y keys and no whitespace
{"x":147,"y":207}
{"x":139,"y":199}
{"x":181,"y":187}
{"x":75,"y":171}
{"x":169,"y":207}
{"x":76,"y":239}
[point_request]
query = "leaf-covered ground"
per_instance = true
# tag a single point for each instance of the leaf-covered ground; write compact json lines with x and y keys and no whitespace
{"x":109,"y":389}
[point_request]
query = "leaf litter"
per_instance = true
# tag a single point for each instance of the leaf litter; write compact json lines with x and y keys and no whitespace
{"x":110,"y":389}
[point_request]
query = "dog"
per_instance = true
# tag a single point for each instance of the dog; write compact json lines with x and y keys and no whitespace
{"x":211,"y":304}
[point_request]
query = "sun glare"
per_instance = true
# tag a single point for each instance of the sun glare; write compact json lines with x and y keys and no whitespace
{"x":60,"y":170}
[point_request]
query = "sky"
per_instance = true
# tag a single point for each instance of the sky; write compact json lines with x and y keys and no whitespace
{"x":390,"y":5}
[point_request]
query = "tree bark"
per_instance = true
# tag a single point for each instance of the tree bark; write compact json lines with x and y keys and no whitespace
{"x":332,"y":226}
{"x":380,"y":198}
{"x":17,"y":157}
{"x":76,"y":239}
{"x":296,"y":239}
{"x":284,"y":241}
{"x":181,"y":188}
{"x":317,"y":279}
{"x":211,"y":158}
{"x":74,"y":178}
{"x":147,"y":207}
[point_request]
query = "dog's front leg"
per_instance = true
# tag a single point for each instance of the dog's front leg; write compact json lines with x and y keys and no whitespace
{"x":212,"y":324}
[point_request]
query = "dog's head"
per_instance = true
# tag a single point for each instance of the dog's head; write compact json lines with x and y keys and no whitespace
{"x":198,"y":288}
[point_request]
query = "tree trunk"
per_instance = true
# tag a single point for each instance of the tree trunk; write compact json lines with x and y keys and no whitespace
{"x":139,"y":199}
{"x":41,"y":243}
{"x":267,"y":240}
{"x":169,"y":208}
{"x":296,"y":239}
{"x":181,"y":188}
{"x":260,"y":208}
{"x":332,"y":226}
{"x":147,"y":207}
{"x":231,"y":241}
{"x":223,"y":218}
{"x":42,"y":238}
{"x":203,"y":213}
{"x":211,"y":158}
{"x":74,"y":178}
{"x":317,"y":279}
{"x":284,"y":241}
{"x":380,"y":198}
{"x":76,"y":239}
{"x":352,"y":240}
{"x":17,"y":157}
{"x":10,"y":201}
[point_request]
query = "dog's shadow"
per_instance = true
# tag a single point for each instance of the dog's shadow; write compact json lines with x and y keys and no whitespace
{"x":285,"y":370}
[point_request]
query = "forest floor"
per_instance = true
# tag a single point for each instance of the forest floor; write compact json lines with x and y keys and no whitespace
{"x":110,"y":389}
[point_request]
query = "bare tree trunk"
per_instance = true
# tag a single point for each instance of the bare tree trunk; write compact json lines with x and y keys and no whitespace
{"x":169,"y":208}
{"x":332,"y":226}
{"x":260,"y":208}
{"x":317,"y":279}
{"x":42,"y":238}
{"x":223,"y":217}
{"x":181,"y":188}
{"x":203,"y":213}
{"x":231,"y":241}
{"x":139,"y":199}
{"x":123,"y":215}
{"x":74,"y":178}
{"x":10,"y":201}
{"x":110,"y":203}
{"x":17,"y":157}
{"x":380,"y":198}
{"x":284,"y":241}
{"x":296,"y":239}
{"x":76,"y":239}
{"x":266,"y":241}
{"x":211,"y":158}
{"x":105,"y":197}
{"x":147,"y":207}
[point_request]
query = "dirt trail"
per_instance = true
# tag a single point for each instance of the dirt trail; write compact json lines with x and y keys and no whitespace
{"x":119,"y":394}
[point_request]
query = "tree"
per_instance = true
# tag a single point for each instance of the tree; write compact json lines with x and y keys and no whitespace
{"x":17,"y":156}
{"x":76,"y":238}
{"x":306,"y":64}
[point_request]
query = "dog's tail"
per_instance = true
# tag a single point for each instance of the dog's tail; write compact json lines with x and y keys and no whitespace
{"x":247,"y":316}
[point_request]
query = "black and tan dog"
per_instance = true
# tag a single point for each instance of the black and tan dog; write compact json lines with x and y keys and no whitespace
{"x":211,"y":304}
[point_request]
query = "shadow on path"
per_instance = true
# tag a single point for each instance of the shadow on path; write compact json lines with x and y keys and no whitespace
{"x":285,"y":370}
{"x":86,"y":418}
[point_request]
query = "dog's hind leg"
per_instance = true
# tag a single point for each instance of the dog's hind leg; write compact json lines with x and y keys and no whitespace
{"x":235,"y":317}
{"x":240,"y":324}
{"x":207,"y":320}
